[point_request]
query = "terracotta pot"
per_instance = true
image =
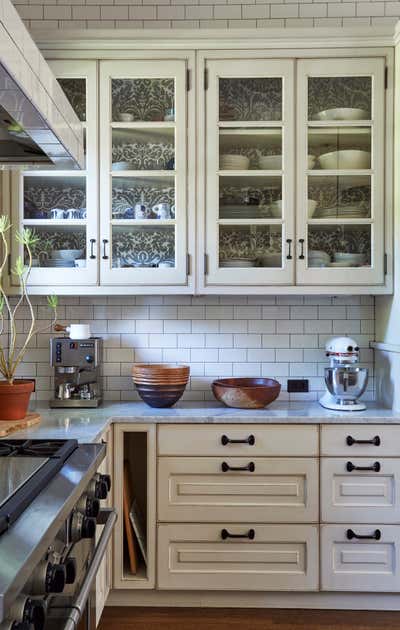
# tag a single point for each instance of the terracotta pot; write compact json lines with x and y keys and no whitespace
{"x":14,"y":399}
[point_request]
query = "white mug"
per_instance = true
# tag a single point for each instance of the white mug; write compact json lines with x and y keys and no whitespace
{"x":57,"y":213}
{"x":162,"y":210}
{"x":78,"y":331}
{"x":72,"y":213}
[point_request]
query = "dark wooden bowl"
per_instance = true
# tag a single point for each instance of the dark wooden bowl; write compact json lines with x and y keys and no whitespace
{"x":246,"y":393}
{"x":160,"y":395}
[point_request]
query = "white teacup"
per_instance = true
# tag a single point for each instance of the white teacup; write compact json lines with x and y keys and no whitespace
{"x":58,"y":213}
{"x":73,"y":213}
{"x":162,"y":210}
{"x":78,"y":331}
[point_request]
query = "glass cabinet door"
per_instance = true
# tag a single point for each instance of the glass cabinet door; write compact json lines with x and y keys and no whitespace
{"x":249,"y":172}
{"x":143,"y":172}
{"x":61,"y":206}
{"x":341,"y":172}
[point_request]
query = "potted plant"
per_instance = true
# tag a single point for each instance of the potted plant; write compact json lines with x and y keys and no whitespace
{"x":15,"y":393}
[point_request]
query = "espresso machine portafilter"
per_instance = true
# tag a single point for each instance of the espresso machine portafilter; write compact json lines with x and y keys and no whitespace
{"x":76,"y":364}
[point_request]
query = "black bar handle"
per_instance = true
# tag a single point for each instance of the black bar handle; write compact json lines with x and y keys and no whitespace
{"x":376,"y":441}
{"x":251,"y":440}
{"x":105,"y":241}
{"x":375,"y":536}
{"x":92,"y":242}
{"x":250,"y":467}
{"x":251,"y":534}
{"x":375,"y":467}
{"x":289,"y":254}
{"x":301,"y":241}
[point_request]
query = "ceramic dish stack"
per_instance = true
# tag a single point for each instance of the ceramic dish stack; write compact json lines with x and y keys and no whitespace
{"x":233,"y":162}
{"x":238,"y":262}
{"x":347,"y":259}
{"x":158,"y":384}
{"x":318,"y":258}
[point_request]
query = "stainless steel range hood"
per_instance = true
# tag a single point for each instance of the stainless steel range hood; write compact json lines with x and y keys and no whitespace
{"x":37,"y":123}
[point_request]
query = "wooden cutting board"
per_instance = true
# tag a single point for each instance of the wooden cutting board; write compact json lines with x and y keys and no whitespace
{"x":10,"y":426}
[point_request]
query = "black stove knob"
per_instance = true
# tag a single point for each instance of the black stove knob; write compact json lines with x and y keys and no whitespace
{"x":92,"y":507}
{"x":70,"y":570}
{"x":35,"y":613}
{"x":21,"y":625}
{"x":107,"y":481}
{"x":55,"y":578}
{"x":88,"y":527}
{"x":101,"y":490}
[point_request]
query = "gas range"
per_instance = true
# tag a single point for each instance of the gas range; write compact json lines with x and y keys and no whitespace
{"x":50,"y":494}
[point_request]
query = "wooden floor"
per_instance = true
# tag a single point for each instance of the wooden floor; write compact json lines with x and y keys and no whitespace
{"x":244,"y":619}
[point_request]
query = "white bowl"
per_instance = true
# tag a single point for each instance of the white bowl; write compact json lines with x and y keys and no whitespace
{"x":121,"y":166}
{"x":66,"y":254}
{"x":275,"y":209}
{"x":312,"y":206}
{"x":270,"y":162}
{"x":311,"y":159}
{"x":125,"y":117}
{"x":343,"y":113}
{"x":271,"y":260}
{"x":346,"y":159}
{"x":349,"y":257}
{"x":234,"y":162}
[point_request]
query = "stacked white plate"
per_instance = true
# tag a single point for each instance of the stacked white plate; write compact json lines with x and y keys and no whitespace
{"x":238,"y":262}
{"x":349,"y":259}
{"x":232,"y":162}
{"x":270,"y":162}
{"x":343,"y":212}
{"x":345,"y":159}
{"x":318,"y":258}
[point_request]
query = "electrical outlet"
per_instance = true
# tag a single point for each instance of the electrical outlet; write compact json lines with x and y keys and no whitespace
{"x":297,"y":385}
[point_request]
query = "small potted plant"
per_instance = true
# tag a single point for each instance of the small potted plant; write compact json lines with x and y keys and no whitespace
{"x":15,"y":393}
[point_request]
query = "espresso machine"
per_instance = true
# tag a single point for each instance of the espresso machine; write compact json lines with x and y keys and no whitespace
{"x":76,"y":364}
{"x":344,"y":379}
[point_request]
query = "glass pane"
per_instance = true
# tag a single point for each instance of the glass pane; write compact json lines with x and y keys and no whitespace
{"x":339,"y":98}
{"x":250,"y":197}
{"x":143,"y":149}
{"x":75,"y":91}
{"x":339,"y":148}
{"x":243,"y":149}
{"x":144,"y":246}
{"x":250,"y":99}
{"x":246,"y":246}
{"x":143,"y":198}
{"x":144,"y":100}
{"x":63,"y":246}
{"x":344,"y":197}
{"x":339,"y":246}
{"x":54,"y":197}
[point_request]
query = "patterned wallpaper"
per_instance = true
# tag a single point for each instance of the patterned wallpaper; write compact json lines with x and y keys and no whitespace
{"x":63,"y":14}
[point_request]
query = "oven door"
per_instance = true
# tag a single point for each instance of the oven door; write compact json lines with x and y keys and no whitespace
{"x":80,"y":611}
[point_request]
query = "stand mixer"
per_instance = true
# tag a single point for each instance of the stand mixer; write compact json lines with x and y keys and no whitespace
{"x":344,"y":381}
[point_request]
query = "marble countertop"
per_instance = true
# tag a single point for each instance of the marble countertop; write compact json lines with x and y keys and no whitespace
{"x":87,"y":425}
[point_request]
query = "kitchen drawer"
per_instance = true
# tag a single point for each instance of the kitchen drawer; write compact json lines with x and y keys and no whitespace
{"x":335,"y":438}
{"x":271,"y":440}
{"x":201,"y":489}
{"x":360,"y":496}
{"x":279,"y":558}
{"x":360,"y":565}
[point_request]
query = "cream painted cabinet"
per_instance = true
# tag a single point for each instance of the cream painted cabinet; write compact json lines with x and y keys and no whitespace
{"x":214,"y":489}
{"x":144,"y":172}
{"x":242,"y":557}
{"x":61,"y":206}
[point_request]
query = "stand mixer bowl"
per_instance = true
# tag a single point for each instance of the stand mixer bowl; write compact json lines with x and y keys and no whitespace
{"x":346,"y":383}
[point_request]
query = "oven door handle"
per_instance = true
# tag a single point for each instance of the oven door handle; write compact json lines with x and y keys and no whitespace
{"x":107,"y":517}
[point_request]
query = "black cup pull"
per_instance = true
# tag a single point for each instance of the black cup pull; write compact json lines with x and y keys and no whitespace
{"x":251,"y":440}
{"x":251,"y":534}
{"x":301,"y":241}
{"x":376,"y":441}
{"x":105,"y":241}
{"x":374,"y":468}
{"x":289,"y":254}
{"x":92,"y":242}
{"x":375,"y":536}
{"x":249,"y":468}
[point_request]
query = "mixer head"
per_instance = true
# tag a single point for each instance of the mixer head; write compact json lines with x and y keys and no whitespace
{"x":342,"y":350}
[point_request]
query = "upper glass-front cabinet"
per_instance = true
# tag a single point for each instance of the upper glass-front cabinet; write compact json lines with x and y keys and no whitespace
{"x":341,"y":156}
{"x":61,"y":206}
{"x":143,"y":172}
{"x":249,"y":160}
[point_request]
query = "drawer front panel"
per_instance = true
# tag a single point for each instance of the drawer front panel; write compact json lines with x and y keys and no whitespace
{"x":279,"y":558}
{"x":197,"y":489}
{"x":360,"y":565}
{"x":271,"y":440}
{"x":362,"y":440}
{"x":360,"y":496}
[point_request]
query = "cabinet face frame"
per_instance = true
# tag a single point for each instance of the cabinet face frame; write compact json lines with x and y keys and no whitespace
{"x":344,"y":68}
{"x":321,"y":54}
{"x":47,"y":276}
{"x":144,"y":69}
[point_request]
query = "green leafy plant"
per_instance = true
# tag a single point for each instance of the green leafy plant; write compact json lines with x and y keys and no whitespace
{"x":11,"y":357}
